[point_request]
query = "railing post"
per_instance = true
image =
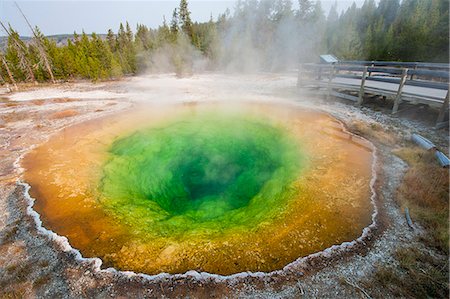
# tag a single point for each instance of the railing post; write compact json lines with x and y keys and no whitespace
{"x":361,"y":89}
{"x":442,"y":111}
{"x":299,"y":75}
{"x":372,"y":65}
{"x":398,"y":97}
{"x":319,"y":73}
{"x":330,"y":79}
{"x":412,"y":74}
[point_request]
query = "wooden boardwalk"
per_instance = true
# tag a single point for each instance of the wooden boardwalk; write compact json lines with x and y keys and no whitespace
{"x":354,"y":80}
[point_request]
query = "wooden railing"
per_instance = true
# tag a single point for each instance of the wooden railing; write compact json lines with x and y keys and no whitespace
{"x":431,"y":80}
{"x":409,"y":65}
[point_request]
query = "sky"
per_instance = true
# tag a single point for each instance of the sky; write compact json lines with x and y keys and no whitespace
{"x":64,"y":16}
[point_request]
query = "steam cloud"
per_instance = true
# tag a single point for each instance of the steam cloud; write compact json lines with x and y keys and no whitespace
{"x":260,"y":35}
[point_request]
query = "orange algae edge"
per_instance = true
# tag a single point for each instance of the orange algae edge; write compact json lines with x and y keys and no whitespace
{"x":331,"y":202}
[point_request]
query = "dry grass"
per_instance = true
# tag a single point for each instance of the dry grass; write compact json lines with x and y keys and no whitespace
{"x":15,"y":294}
{"x":64,"y":114}
{"x":9,"y":233}
{"x":15,"y":275}
{"x":20,"y":272}
{"x":41,"y":281}
{"x":425,"y":191}
{"x":418,"y":275}
{"x":374,"y":132}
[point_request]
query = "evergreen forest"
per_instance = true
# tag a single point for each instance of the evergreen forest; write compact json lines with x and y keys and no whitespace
{"x":259,"y":35}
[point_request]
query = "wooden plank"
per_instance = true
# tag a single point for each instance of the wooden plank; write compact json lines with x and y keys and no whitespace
{"x":416,"y":100}
{"x":426,"y":92}
{"x":406,"y":96}
{"x":441,"y":125}
{"x":361,"y":89}
{"x":430,"y":73}
{"x":412,"y":74}
{"x":398,"y":97}
{"x":398,"y":64}
{"x":419,"y":83}
{"x":350,"y":68}
{"x":330,"y":79}
{"x":443,"y":110}
{"x":385,"y":70}
{"x":394,"y":69}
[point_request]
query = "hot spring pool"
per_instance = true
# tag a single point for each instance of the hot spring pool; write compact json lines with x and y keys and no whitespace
{"x":208,"y":187}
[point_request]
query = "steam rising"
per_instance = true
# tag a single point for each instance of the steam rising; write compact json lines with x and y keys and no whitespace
{"x":261,"y":35}
{"x":268,"y":36}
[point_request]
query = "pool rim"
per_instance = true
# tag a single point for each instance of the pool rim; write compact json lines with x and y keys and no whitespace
{"x":296,"y":266}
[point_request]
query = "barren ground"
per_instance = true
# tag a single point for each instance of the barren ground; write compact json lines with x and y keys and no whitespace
{"x":34,"y":265}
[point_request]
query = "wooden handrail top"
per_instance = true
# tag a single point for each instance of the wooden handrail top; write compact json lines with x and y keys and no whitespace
{"x":437,"y":74}
{"x":426,"y":65}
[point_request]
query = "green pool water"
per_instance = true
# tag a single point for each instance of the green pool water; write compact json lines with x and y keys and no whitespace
{"x":206,"y":187}
{"x":205,"y":172}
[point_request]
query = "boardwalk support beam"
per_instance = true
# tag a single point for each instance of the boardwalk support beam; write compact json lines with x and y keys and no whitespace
{"x":330,"y":81}
{"x":442,"y":111}
{"x":361,"y":89}
{"x":398,"y":97}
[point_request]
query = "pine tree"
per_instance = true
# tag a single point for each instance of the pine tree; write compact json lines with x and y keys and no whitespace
{"x":129,"y":33}
{"x":163,"y":34}
{"x":143,"y":39}
{"x":407,"y":30}
{"x":331,"y":29}
{"x":304,"y":11}
{"x":185,"y":18}
{"x":18,"y":54}
{"x":125,"y":49}
{"x":122,"y":39}
{"x":282,"y":9}
{"x":41,"y":44}
{"x":111,"y":38}
{"x":174,"y":23}
{"x":8,"y":72}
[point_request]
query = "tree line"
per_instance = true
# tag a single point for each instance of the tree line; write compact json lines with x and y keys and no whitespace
{"x":260,"y":34}
{"x":408,"y":30}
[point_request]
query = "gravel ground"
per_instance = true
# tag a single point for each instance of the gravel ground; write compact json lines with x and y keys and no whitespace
{"x":32,"y":264}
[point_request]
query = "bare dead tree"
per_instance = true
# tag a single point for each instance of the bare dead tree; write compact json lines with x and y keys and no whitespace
{"x":41,"y":49}
{"x":3,"y":81}
{"x":11,"y":78}
{"x":21,"y":52}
